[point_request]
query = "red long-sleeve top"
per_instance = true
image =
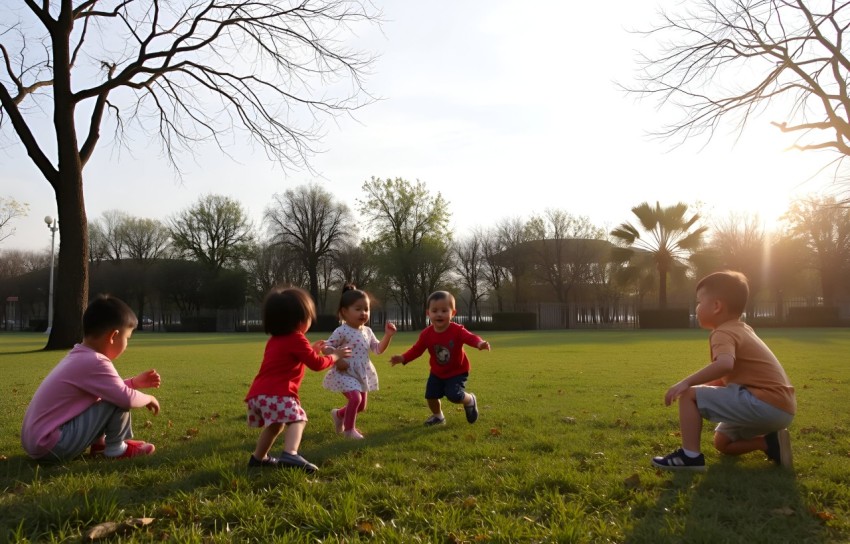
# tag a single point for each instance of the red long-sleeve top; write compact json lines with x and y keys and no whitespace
{"x":448,"y":359}
{"x":282,"y":369}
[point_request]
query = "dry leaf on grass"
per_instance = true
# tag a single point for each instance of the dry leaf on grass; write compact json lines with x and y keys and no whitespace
{"x":105,"y":529}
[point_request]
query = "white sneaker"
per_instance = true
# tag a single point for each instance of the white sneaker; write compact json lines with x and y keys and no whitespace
{"x":353,"y":433}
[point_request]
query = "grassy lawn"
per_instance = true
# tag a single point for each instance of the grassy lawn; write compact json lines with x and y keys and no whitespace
{"x":569,"y":421}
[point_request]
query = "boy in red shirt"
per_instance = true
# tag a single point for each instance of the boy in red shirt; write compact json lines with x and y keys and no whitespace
{"x":444,"y":341}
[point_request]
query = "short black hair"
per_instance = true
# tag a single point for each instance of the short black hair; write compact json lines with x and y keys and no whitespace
{"x":284,"y":309}
{"x":440,"y":295}
{"x":107,"y":313}
{"x":729,"y":286}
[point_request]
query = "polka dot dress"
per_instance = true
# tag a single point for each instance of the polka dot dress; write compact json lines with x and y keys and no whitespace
{"x":361,"y":374}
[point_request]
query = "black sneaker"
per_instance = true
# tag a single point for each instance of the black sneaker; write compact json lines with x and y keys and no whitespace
{"x":435,"y":420}
{"x":678,"y":460}
{"x":268,"y":462}
{"x":288,"y":460}
{"x":779,"y":448}
{"x":471,"y":409}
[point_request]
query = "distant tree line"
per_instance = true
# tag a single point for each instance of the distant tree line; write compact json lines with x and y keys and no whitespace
{"x":400,"y":247}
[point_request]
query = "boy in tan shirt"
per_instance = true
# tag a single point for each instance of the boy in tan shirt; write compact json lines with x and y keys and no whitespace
{"x":744,"y":389}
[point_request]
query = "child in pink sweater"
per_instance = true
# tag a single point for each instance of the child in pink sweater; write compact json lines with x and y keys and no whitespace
{"x":83,"y":401}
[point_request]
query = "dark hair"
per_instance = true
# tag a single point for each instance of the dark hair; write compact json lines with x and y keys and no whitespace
{"x":106,"y":313}
{"x":284,"y":309}
{"x":729,"y":286}
{"x":350,"y":295}
{"x":440,"y":295}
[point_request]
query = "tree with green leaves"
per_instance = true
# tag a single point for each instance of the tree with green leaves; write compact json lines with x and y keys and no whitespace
{"x":665,"y":234}
{"x":311,"y":223}
{"x":411,"y":237}
{"x":824,"y":226}
{"x":215,"y":231}
{"x":180,"y":72}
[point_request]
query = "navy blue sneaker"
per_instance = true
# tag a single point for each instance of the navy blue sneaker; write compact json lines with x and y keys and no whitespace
{"x":471,"y":409}
{"x":268,"y":462}
{"x":678,"y":460}
{"x":779,"y":448}
{"x":288,"y":460}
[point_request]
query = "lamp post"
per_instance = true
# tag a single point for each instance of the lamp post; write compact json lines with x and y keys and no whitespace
{"x":52,"y":224}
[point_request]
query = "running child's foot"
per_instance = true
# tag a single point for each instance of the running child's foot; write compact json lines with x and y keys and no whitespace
{"x":268,"y":462}
{"x":779,"y":448}
{"x":339,"y":424}
{"x":435,"y":420}
{"x":289,"y":460}
{"x":353,"y":433}
{"x":679,"y":460}
{"x":471,"y":409}
{"x":135,"y":448}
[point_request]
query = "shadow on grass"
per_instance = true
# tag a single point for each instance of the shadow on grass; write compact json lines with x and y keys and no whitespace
{"x":730,"y":502}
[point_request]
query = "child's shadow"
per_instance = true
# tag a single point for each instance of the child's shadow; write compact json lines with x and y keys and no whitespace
{"x":728,"y":503}
{"x":341,"y":446}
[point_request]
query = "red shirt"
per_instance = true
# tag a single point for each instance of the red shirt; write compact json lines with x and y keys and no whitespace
{"x":283,"y":365}
{"x":446,"y":348}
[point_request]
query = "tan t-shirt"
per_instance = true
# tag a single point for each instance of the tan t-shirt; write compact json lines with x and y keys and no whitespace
{"x":756,"y":367}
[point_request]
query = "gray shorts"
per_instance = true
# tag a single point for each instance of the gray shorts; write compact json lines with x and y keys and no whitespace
{"x":739,"y":414}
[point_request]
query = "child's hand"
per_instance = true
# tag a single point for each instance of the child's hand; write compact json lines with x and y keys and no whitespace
{"x":148,"y":378}
{"x":342,"y":352}
{"x":153,"y":405}
{"x":319,"y":347}
{"x":390,"y":328}
{"x":341,"y":365}
{"x":396,"y":360}
{"x":674,"y":393}
{"x":484,"y":345}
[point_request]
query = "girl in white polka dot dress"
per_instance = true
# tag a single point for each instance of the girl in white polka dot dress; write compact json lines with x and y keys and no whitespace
{"x":361,"y":376}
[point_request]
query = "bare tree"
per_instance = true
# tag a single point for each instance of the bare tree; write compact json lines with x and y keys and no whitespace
{"x":214,"y":231}
{"x":109,"y":235}
{"x":494,"y":273}
{"x":10,"y":209}
{"x":181,"y":71}
{"x":271,"y":264}
{"x":564,"y":250}
{"x":355,"y":264}
{"x":469,"y":265}
{"x":15,"y":262}
{"x":512,"y":234}
{"x":721,"y":59}
{"x":312,"y":224}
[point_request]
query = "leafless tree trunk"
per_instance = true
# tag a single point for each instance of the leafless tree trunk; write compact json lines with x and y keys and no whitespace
{"x":184,"y":72}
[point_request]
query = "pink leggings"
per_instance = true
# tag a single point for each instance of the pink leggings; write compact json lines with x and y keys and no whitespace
{"x":356,"y":404}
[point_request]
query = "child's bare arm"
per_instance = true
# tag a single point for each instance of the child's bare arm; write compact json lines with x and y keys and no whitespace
{"x":389,"y":331}
{"x":721,"y":366}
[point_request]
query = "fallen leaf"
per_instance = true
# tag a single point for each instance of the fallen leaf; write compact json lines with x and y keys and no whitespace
{"x":632,"y":482}
{"x":101,"y":530}
{"x":784,"y":511}
{"x":823,"y":516}
{"x":470,"y":502}
{"x":494,"y":431}
{"x":569,"y":420}
{"x":365,"y":528}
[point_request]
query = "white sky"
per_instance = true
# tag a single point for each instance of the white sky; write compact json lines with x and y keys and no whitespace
{"x":506,"y":110}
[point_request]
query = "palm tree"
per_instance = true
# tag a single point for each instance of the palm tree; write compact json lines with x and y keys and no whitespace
{"x":668,"y":238}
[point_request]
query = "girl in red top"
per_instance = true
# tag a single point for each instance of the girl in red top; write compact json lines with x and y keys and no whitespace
{"x":444,"y":341}
{"x":273,"y":401}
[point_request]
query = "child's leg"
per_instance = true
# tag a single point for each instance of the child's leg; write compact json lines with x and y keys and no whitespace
{"x":266,"y":441}
{"x":99,"y":419}
{"x":364,"y":395}
{"x":435,"y":407}
{"x":690,"y":420}
{"x":726,"y":445}
{"x":292,"y":437}
{"x":351,"y":409}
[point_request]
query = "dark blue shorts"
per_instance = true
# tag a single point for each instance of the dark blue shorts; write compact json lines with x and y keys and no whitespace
{"x":453,"y":388}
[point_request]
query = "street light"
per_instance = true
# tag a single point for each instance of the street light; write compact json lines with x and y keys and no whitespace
{"x":52,"y":224}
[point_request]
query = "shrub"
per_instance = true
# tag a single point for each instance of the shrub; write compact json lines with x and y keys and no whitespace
{"x":668,"y":318}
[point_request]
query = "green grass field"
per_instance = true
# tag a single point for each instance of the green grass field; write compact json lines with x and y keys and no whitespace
{"x":569,"y":421}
